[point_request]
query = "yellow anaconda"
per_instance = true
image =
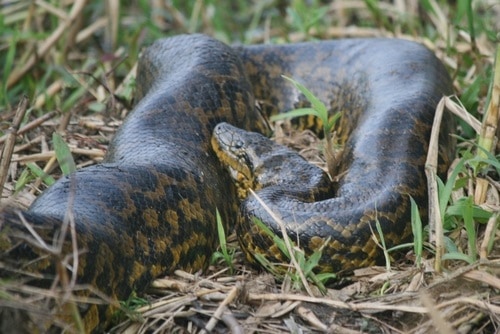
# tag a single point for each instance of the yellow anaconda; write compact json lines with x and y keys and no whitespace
{"x":150,"y":206}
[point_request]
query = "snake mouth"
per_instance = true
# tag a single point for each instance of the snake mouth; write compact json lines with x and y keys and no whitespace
{"x":237,"y":175}
{"x":243,"y":182}
{"x":237,"y":166}
{"x":230,"y":151}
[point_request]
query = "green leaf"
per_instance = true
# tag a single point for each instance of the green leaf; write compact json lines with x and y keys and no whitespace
{"x":221,"y":233}
{"x":268,"y":266}
{"x":316,"y":103}
{"x":416,"y":226}
{"x":23,"y":179}
{"x":401,"y":246}
{"x":224,"y":254}
{"x":8,"y":65}
{"x":458,"y":209}
{"x":277,"y":240}
{"x":324,"y":277}
{"x":445,"y":193}
{"x":331,"y":122}
{"x":314,"y":259}
{"x":294,"y":113}
{"x":309,"y":264}
{"x":38,"y":172}
{"x":458,"y":256}
{"x":450,"y":246}
{"x":63,"y":154}
{"x":470,"y":227}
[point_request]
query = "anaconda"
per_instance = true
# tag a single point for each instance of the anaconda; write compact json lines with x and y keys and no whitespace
{"x":150,"y":206}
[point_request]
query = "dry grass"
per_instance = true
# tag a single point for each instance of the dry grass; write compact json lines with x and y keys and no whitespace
{"x":71,"y":66}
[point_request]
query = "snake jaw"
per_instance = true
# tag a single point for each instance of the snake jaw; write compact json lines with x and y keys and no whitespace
{"x":230,"y":151}
{"x":242,"y":178}
{"x":243,"y":182}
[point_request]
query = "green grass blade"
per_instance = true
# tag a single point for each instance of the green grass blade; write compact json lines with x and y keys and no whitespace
{"x":317,"y":105}
{"x":457,"y":210}
{"x":470,"y":20}
{"x":470,"y":227}
{"x":38,"y":172}
{"x":458,"y":256}
{"x":63,"y":154}
{"x":276,"y":240}
{"x":221,"y":233}
{"x":416,"y":226}
{"x":7,"y":68}
{"x":294,"y":113}
{"x":331,"y":122}
{"x":380,"y":233}
{"x":445,"y":193}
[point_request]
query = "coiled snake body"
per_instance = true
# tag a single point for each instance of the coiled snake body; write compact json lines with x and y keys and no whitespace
{"x":150,"y":206}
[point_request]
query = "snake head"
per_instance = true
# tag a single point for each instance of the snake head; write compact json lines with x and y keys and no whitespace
{"x":256,"y":162}
{"x":235,"y":149}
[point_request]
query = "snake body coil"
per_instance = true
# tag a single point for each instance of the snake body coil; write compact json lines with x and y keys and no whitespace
{"x":387,"y":92}
{"x":150,"y":206}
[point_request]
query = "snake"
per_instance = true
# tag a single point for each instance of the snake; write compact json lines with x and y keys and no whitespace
{"x":150,"y":206}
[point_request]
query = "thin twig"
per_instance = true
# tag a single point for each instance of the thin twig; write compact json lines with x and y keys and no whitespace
{"x":489,"y":234}
{"x":91,"y":153}
{"x":220,"y":310}
{"x":363,"y":306}
{"x":307,"y":315}
{"x":287,"y":243}
{"x":231,"y":322}
{"x":459,"y":110}
{"x":40,"y":242}
{"x":31,"y":125}
{"x":437,"y":318}
{"x":6,"y":154}
{"x":436,"y":227}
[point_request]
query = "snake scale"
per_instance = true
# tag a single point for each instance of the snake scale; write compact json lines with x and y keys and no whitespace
{"x":150,"y":206}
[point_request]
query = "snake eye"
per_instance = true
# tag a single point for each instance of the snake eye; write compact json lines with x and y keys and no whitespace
{"x":238,"y":144}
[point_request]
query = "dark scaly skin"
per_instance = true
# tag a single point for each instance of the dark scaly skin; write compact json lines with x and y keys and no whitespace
{"x":387,"y":91}
{"x":149,"y":208}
